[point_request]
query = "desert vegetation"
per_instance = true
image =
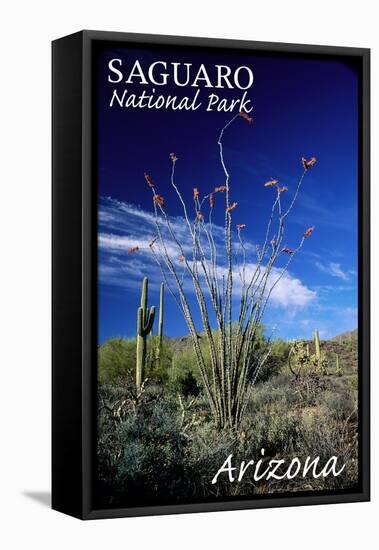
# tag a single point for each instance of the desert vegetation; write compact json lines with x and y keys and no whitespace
{"x":171,"y":410}
{"x":162,"y":444}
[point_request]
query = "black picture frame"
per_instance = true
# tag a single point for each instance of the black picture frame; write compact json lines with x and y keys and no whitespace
{"x":74,"y":322}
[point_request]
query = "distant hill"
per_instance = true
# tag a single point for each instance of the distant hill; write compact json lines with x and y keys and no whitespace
{"x":346,"y":345}
{"x":348,"y":336}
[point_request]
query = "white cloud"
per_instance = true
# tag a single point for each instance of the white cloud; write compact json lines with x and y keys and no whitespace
{"x":291,"y":292}
{"x":124,"y":226}
{"x":334,"y":270}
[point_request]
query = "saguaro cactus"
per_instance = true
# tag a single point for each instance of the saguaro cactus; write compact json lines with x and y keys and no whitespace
{"x":321,"y":360}
{"x":338,"y":366}
{"x":145,"y":320}
{"x":317,"y":345}
{"x":160,"y":324}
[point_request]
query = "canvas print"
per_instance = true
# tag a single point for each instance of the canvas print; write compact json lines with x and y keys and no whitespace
{"x":227,"y":282}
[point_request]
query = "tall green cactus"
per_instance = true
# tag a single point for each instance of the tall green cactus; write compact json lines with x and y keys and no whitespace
{"x":321,"y":360}
{"x":160,"y":325}
{"x":338,"y":366}
{"x":145,"y":320}
{"x":317,"y":345}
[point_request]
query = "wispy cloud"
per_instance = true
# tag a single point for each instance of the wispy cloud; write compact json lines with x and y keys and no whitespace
{"x":334,"y":270}
{"x":123,"y":226}
{"x":339,"y":217}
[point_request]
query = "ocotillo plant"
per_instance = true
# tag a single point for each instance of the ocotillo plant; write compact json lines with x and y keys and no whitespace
{"x":160,"y":325}
{"x":145,"y":320}
{"x":233,"y":366}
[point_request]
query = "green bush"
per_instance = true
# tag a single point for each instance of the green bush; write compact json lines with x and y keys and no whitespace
{"x":117,"y":361}
{"x":141,"y":458}
{"x":337,"y":406}
{"x":276,"y":362}
{"x":184,"y":374}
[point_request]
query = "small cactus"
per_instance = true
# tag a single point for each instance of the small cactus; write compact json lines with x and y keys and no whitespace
{"x":298,"y":358}
{"x":145,"y":321}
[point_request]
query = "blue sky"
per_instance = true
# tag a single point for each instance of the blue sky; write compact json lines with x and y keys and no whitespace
{"x":302,"y":107}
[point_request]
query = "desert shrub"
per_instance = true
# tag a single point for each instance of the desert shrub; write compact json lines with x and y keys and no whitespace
{"x":117,"y":361}
{"x":184,"y":376}
{"x":158,"y":370}
{"x":275,"y":431}
{"x":188,"y":385}
{"x":274,"y":428}
{"x":142,"y":457}
{"x":337,"y":405}
{"x":206,"y":452}
{"x":308,"y":387}
{"x":165,"y":447}
{"x":276,"y":390}
{"x":325,"y":437}
{"x":353,"y":383}
{"x":277,"y":360}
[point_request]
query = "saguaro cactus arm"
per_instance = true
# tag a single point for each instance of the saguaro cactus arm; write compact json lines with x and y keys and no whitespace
{"x":145,"y":283}
{"x":148,"y":321}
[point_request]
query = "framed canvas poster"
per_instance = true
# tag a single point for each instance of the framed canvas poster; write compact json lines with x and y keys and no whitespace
{"x":210,"y":274}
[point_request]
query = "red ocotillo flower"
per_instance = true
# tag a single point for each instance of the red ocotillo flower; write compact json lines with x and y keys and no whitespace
{"x":173,"y":157}
{"x":149,"y":180}
{"x":309,"y":231}
{"x":133,"y":249}
{"x":271,"y":183}
{"x":287,"y":250}
{"x":245,"y":116}
{"x":220,"y":189}
{"x":282,"y":189}
{"x":211,"y":200}
{"x":195,"y":193}
{"x":308,"y":163}
{"x":200,"y":216}
{"x":231,"y":207}
{"x":240,"y":226}
{"x":158,"y":199}
{"x":181,"y":258}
